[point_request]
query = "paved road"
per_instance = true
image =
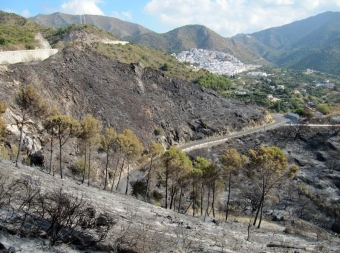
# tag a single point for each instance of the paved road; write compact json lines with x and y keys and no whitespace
{"x":279,"y":120}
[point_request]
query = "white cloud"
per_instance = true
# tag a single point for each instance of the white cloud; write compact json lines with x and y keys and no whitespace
{"x":82,"y":7}
{"x":125,"y":15}
{"x":26,"y":13}
{"x":229,"y":17}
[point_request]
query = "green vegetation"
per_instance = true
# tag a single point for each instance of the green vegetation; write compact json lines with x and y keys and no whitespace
{"x":217,"y":83}
{"x":268,"y":167}
{"x":55,"y":37}
{"x":17,"y":33}
{"x":323,"y":108}
{"x":148,"y":57}
{"x":292,"y":91}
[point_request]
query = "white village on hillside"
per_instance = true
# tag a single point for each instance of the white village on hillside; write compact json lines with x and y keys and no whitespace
{"x":218,"y":63}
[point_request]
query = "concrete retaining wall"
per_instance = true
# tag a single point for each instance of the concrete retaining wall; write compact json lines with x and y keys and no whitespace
{"x":11,"y":57}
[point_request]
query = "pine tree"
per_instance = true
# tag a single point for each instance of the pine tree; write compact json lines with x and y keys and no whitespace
{"x":90,"y":136}
{"x":108,"y":142}
{"x":155,"y":150}
{"x":232,"y":163}
{"x":66,"y":127}
{"x":268,"y":168}
{"x":30,"y":105}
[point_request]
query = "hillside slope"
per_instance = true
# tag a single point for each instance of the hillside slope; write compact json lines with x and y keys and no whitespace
{"x":309,"y":43}
{"x":18,"y":33}
{"x":284,"y":36}
{"x":183,"y":38}
{"x":109,"y":24}
{"x":142,"y":227}
{"x":79,"y":80}
{"x":194,"y":36}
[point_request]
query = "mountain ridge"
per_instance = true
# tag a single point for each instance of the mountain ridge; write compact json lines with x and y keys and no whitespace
{"x":277,"y":45}
{"x":308,"y":43}
{"x":109,"y":24}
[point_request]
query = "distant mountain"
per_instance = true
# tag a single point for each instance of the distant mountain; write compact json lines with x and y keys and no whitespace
{"x":309,"y":43}
{"x":109,"y":24}
{"x":194,"y":36}
{"x":287,"y":35}
{"x":184,"y":38}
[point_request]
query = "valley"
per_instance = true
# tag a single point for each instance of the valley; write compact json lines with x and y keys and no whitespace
{"x":123,"y":147}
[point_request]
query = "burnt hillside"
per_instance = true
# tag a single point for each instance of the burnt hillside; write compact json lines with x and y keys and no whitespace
{"x":79,"y":80}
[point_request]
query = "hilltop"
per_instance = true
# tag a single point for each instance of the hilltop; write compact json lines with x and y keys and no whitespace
{"x":194,"y":36}
{"x":109,"y":24}
{"x":310,"y":43}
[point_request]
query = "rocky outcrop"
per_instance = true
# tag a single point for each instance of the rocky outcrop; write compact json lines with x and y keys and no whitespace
{"x":79,"y":80}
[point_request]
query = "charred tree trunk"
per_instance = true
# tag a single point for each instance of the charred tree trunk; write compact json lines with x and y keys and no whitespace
{"x":106,"y":168}
{"x":213,"y":199}
{"x":258,"y":209}
{"x":127,"y":179}
{"x":166,"y":188}
{"x":60,"y":159}
{"x":84,"y":172}
{"x":51,"y":155}
{"x":20,"y":142}
{"x":180,"y":199}
{"x":89,"y":171}
{"x":228,"y":199}
{"x":114,"y":175}
{"x":202,"y":194}
{"x":120,"y":174}
{"x":148,"y":180}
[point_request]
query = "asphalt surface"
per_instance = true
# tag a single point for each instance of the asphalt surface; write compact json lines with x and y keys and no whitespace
{"x":279,"y":120}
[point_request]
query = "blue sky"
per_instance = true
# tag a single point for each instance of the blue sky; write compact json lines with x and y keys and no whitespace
{"x":226,"y":17}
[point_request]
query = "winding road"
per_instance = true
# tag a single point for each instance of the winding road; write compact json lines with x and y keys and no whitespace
{"x":279,"y":120}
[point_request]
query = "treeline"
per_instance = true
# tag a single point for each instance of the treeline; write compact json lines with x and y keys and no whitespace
{"x":88,"y":134}
{"x":182,"y":183}
{"x":171,"y":178}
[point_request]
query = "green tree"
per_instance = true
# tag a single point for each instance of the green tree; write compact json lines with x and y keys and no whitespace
{"x":30,"y":105}
{"x":108,"y":142}
{"x":232,"y":163}
{"x":218,"y":83}
{"x":155,"y":150}
{"x":132,"y":149}
{"x":3,"y":41}
{"x":323,"y":108}
{"x":165,"y":67}
{"x":90,"y":137}
{"x":268,"y":168}
{"x":66,"y":127}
